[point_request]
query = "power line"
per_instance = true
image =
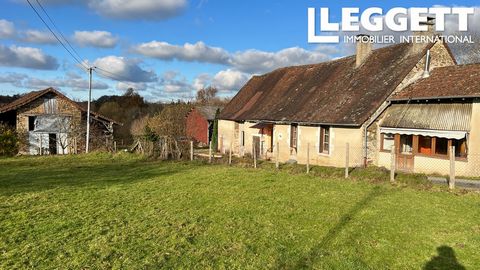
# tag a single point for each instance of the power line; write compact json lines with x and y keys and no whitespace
{"x":115,"y":76}
{"x":58,"y":30}
{"x":84,"y":67}
{"x":50,"y":29}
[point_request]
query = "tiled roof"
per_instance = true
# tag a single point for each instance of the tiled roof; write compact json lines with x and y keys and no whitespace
{"x":446,"y":82}
{"x":334,"y":92}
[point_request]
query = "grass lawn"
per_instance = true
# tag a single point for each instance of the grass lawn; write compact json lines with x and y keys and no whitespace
{"x":100,"y":211}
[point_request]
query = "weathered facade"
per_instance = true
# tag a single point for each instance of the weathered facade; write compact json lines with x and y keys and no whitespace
{"x":323,"y":107}
{"x":430,"y":116}
{"x":54,"y":124}
{"x":317,"y":111}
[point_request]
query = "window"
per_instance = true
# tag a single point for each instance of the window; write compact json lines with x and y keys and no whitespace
{"x":31,"y":123}
{"x":425,"y":145}
{"x":324,"y":140}
{"x":406,"y":144}
{"x":388,"y":141}
{"x":460,"y":148}
{"x":434,"y":146}
{"x":293,"y":136}
{"x":441,"y":146}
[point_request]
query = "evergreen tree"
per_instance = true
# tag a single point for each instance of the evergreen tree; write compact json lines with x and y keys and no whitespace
{"x":215,"y":131}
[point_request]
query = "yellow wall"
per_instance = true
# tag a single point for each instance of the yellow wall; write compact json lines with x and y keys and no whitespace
{"x":430,"y":165}
{"x":308,"y":138}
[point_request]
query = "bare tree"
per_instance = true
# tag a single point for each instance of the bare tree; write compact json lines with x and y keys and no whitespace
{"x":207,"y":95}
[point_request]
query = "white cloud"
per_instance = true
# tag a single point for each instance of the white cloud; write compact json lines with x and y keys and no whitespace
{"x":255,"y":61}
{"x":138,"y":9}
{"x":230,"y":80}
{"x":40,"y":37}
{"x":123,"y":69}
{"x":198,"y":52}
{"x":122,"y":86}
{"x":71,"y":80}
{"x":7,"y":29}
{"x":173,"y":82}
{"x":250,"y":61}
{"x":99,"y":39}
{"x":26,"y":57}
{"x":201,"y":81}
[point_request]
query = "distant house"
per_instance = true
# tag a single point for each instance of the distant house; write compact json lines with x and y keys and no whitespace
{"x":54,"y":124}
{"x":199,"y":123}
{"x":411,"y":95}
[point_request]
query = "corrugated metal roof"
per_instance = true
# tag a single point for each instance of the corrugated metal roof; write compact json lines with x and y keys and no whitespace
{"x":436,"y":116}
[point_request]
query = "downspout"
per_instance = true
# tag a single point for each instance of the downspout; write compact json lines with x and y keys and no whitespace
{"x":365,"y":130}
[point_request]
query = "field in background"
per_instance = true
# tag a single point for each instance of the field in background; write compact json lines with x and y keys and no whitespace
{"x":102,"y":211}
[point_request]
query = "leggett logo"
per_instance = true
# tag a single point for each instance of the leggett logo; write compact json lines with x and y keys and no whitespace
{"x":396,"y":19}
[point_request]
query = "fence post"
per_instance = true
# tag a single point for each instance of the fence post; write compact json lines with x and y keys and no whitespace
{"x":210,"y":152}
{"x":451,"y":182}
{"x":191,"y":150}
{"x":254,"y":157}
{"x":347,"y":159}
{"x":308,"y":157}
{"x":220,"y":144}
{"x":277,"y":164}
{"x":75,"y":151}
{"x":230,"y":153}
{"x":115,"y":146}
{"x":392,"y":165}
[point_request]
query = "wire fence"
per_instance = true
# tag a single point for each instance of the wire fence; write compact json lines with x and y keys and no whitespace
{"x":449,"y":164}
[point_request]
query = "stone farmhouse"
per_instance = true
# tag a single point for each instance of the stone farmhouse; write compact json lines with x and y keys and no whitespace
{"x":412,"y":96}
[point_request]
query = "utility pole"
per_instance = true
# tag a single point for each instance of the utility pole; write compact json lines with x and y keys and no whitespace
{"x":90,"y":69}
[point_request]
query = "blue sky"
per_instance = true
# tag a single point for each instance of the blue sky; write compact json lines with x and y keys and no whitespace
{"x":166,"y":49}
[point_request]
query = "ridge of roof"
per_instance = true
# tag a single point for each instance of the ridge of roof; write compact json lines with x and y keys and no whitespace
{"x":335,"y":92}
{"x":31,"y":96}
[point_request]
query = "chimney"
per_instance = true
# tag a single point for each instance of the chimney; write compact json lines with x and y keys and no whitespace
{"x":426,"y":72}
{"x":364,"y":48}
{"x":420,"y":38}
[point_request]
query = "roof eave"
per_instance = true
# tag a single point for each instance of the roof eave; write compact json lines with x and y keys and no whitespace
{"x":433,"y":98}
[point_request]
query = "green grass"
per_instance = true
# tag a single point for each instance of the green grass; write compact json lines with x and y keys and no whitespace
{"x":101,"y":211}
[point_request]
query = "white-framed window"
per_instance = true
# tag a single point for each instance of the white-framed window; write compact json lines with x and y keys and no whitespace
{"x":324,"y":142}
{"x":388,"y":141}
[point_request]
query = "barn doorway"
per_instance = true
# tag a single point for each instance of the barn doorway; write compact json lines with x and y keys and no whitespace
{"x":52,"y":143}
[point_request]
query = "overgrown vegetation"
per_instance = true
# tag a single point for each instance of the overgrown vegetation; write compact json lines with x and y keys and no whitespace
{"x":121,"y":211}
{"x":10,"y":140}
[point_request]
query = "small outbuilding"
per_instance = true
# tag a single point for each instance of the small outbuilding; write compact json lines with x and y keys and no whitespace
{"x":199,"y":123}
{"x":54,"y":124}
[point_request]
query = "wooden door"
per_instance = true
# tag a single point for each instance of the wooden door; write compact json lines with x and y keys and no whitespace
{"x":404,"y":152}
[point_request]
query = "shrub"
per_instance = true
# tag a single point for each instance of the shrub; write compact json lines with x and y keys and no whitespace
{"x":9,"y":141}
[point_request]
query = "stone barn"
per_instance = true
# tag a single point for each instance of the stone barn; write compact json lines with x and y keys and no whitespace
{"x":51,"y":123}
